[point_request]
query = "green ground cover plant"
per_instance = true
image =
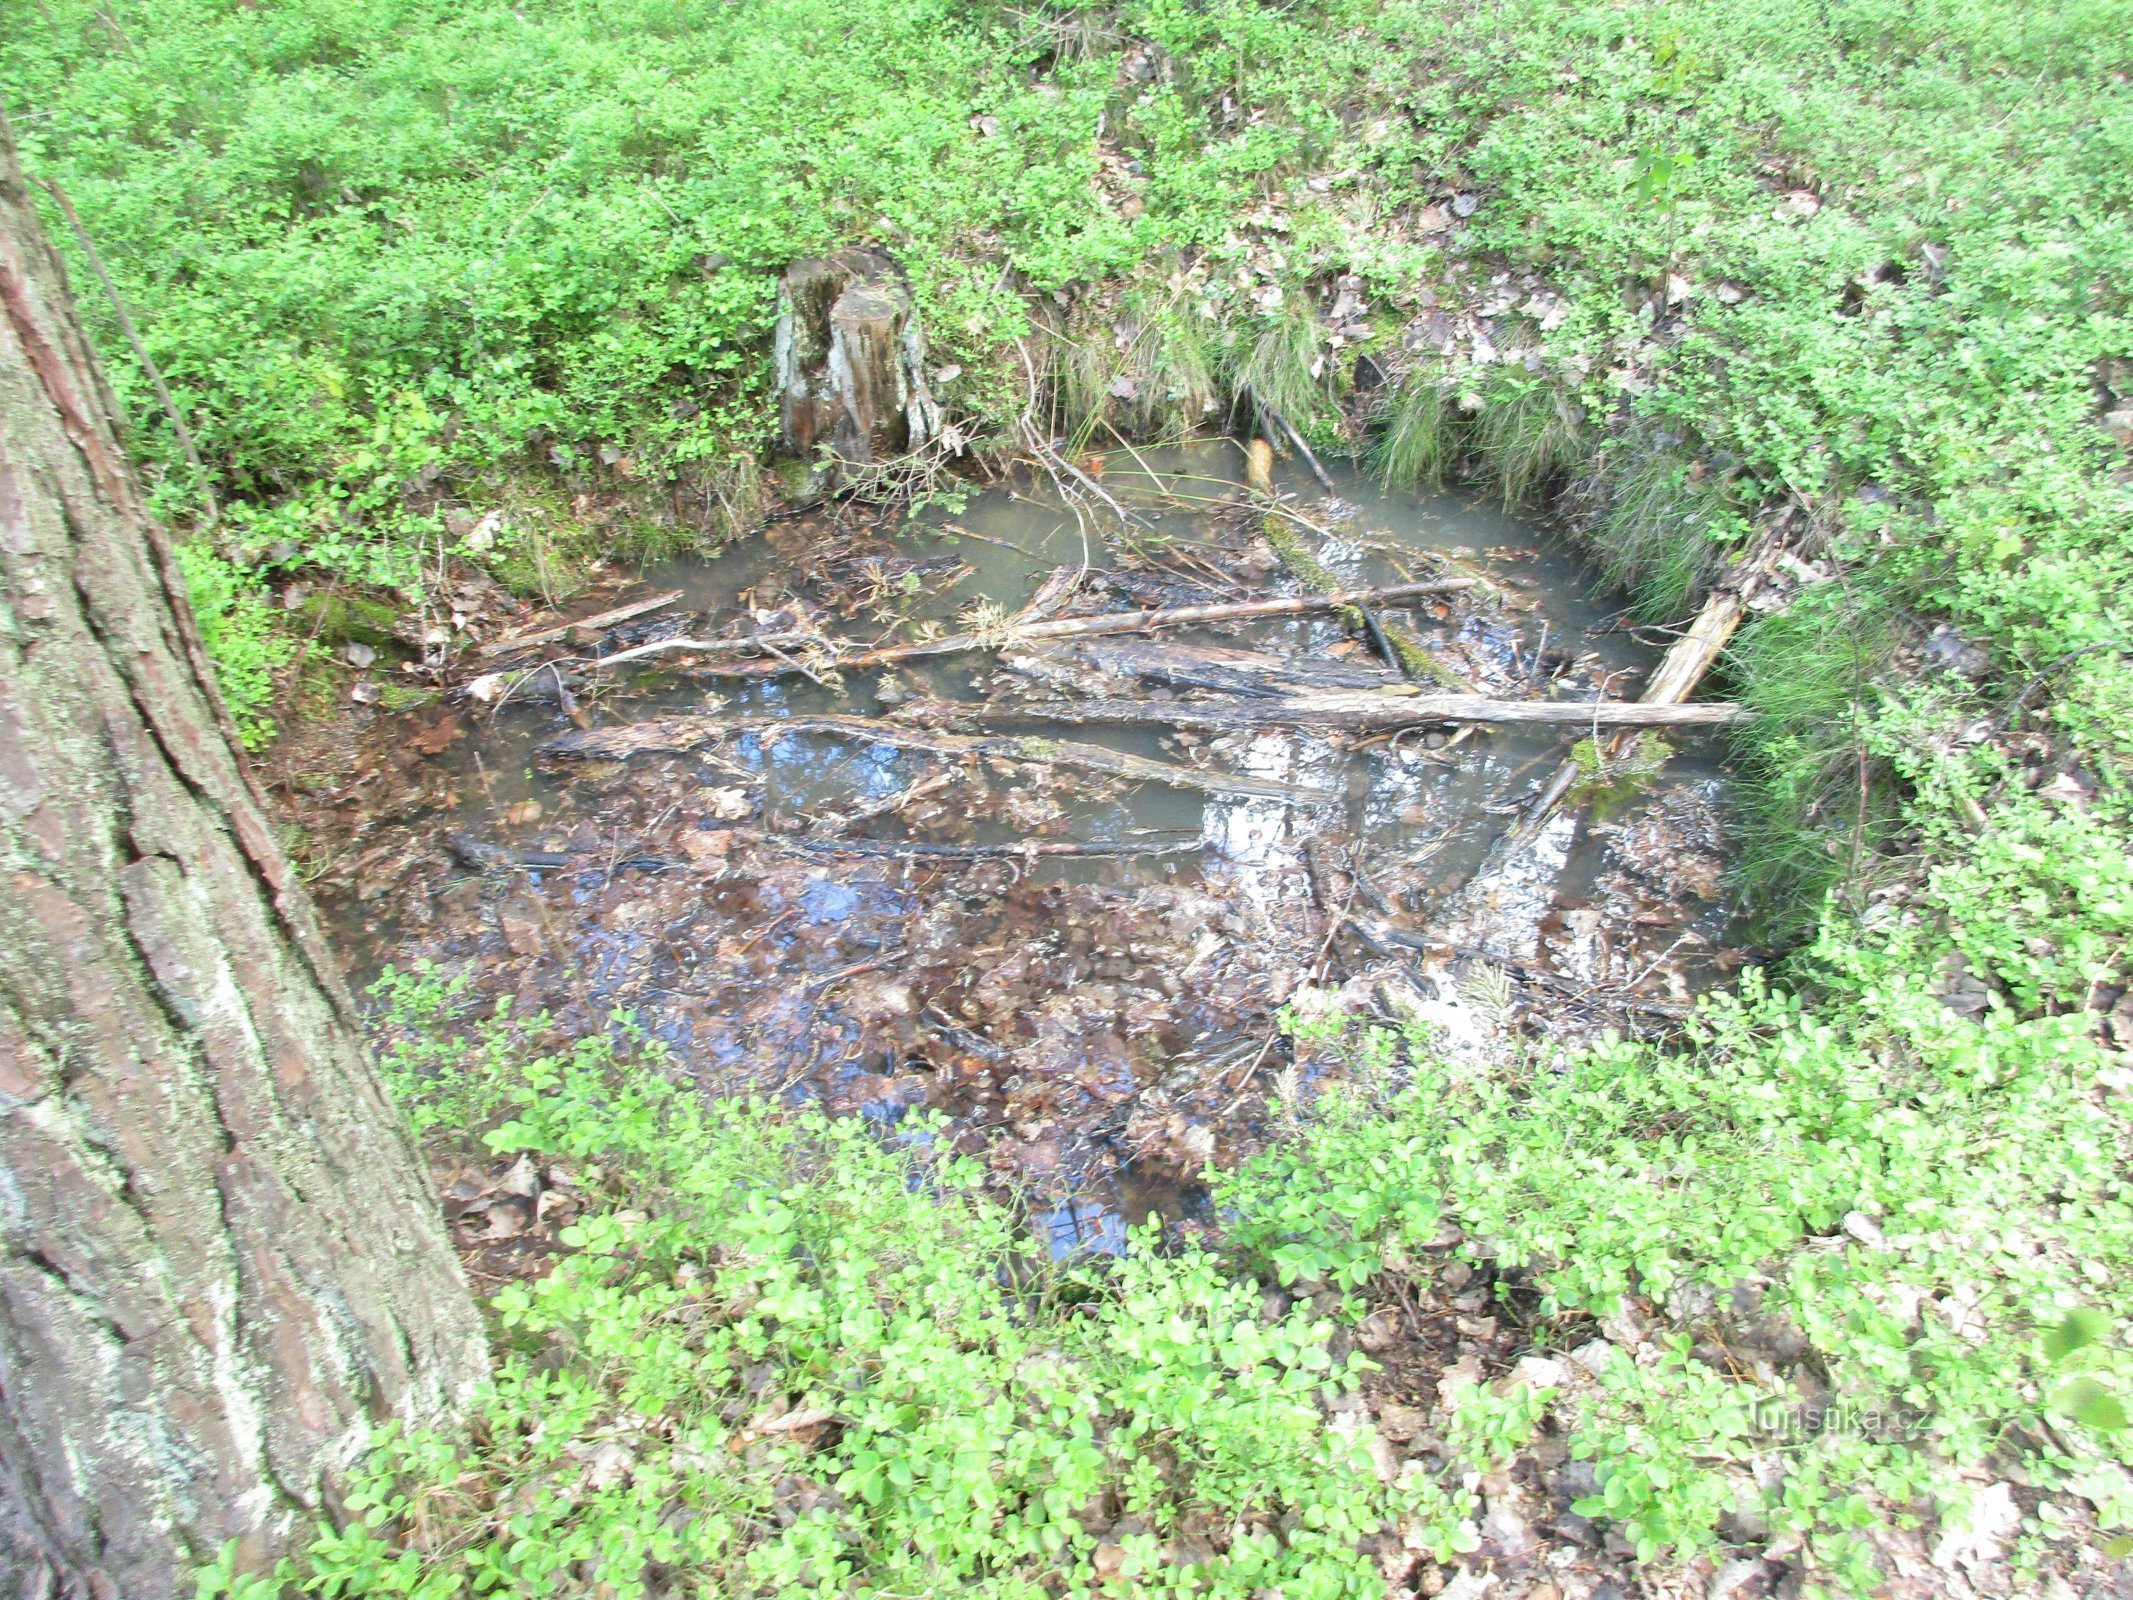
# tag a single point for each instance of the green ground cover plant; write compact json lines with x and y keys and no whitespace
{"x":1862,"y":265}
{"x":783,"y":1356}
{"x":1935,"y":1204}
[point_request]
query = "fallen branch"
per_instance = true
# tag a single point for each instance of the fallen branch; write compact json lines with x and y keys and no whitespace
{"x":997,"y":852}
{"x":1108,"y":622}
{"x":1686,"y":662}
{"x":1350,"y":712}
{"x":1402,"y":651}
{"x":599,"y":621}
{"x":1288,"y":429}
{"x":743,"y":643}
{"x":679,"y":735}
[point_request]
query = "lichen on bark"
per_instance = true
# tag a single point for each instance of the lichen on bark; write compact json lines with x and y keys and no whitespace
{"x":220,"y":1264}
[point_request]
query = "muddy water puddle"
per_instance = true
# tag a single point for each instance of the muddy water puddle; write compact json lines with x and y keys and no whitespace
{"x":1080,"y":967}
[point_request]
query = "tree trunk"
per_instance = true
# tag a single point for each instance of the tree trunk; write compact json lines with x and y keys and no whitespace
{"x":219,"y":1259}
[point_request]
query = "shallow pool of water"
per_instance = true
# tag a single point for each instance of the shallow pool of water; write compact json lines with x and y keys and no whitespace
{"x":1096,"y":1027}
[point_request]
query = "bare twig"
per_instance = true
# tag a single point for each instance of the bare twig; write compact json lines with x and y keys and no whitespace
{"x":140,"y":350}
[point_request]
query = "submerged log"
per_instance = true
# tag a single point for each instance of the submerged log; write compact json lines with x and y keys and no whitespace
{"x":851,"y":360}
{"x":1018,"y":633}
{"x":1687,"y":661}
{"x":920,"y":849}
{"x":1349,"y":712}
{"x":1400,"y":648}
{"x":679,"y":735}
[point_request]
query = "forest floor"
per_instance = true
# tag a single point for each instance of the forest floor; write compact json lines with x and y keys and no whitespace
{"x":460,"y":306}
{"x":1097,"y":1033}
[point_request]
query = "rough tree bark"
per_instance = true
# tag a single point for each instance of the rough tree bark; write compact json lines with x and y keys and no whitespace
{"x":219,"y":1260}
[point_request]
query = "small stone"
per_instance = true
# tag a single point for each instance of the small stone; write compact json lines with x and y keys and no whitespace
{"x":1595,"y":1356}
{"x":1865,"y":1229}
{"x":1541,"y":1372}
{"x":1735,"y":1577}
{"x":1951,"y":652}
{"x":1379,"y":1331}
{"x":1456,"y":1379}
{"x":1506,"y":1529}
{"x":524,"y":928}
{"x":707,"y":844}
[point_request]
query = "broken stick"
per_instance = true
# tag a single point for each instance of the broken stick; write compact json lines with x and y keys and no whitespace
{"x":1400,"y":648}
{"x":1196,"y":666}
{"x":997,"y":852}
{"x":1107,"y":622}
{"x":1349,"y":712}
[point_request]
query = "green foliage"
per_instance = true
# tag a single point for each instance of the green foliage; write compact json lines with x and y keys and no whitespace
{"x":1937,"y":1204}
{"x":1145,"y":369}
{"x":966,"y":1418}
{"x":1851,"y":258}
{"x":1867,"y":263}
{"x":1821,"y":800}
{"x":1419,"y":442}
{"x":238,"y":627}
{"x":1605,"y":780}
{"x":1530,"y":431}
{"x":1285,"y":367}
{"x":1665,"y":526}
{"x":373,"y":244}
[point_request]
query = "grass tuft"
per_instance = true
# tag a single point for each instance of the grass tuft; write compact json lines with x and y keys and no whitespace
{"x":1284,"y":368}
{"x":1529,"y":434}
{"x":1420,"y":441}
{"x":1665,"y":529}
{"x":1817,"y":805}
{"x":1146,"y":370}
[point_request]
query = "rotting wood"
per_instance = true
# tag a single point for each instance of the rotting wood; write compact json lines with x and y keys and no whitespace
{"x":599,"y":620}
{"x":1400,"y":648}
{"x":1058,"y":587}
{"x":753,"y":641}
{"x":1079,"y":627}
{"x":851,"y":360}
{"x":1348,"y":712}
{"x":1199,"y":666}
{"x":478,"y":855}
{"x":679,"y":735}
{"x":1295,"y":438}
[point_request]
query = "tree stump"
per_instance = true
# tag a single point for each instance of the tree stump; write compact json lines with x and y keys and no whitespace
{"x":851,"y":361}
